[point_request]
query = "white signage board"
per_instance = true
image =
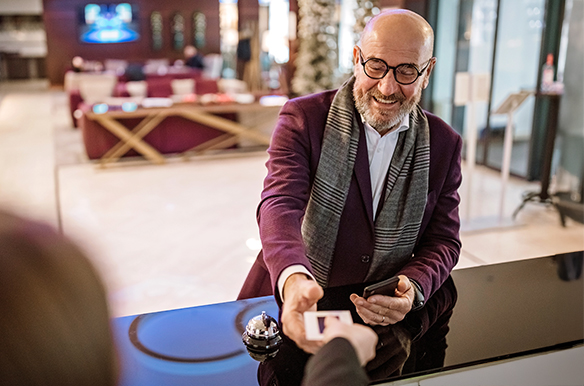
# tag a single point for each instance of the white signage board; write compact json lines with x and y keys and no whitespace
{"x":470,"y":87}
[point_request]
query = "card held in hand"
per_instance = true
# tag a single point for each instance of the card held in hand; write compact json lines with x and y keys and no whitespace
{"x":314,"y":322}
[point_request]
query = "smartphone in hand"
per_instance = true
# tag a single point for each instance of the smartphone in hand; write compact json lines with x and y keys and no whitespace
{"x":386,"y":287}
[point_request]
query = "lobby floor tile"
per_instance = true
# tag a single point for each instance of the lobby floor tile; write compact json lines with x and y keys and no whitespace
{"x":159,"y":226}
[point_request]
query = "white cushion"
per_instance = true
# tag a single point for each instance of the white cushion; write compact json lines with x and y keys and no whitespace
{"x":137,"y":88}
{"x":183,"y":86}
{"x":96,"y":88}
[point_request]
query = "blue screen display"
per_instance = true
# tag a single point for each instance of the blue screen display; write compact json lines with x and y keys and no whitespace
{"x":109,"y":23}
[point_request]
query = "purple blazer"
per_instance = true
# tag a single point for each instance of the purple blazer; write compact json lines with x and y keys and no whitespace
{"x":294,"y":155}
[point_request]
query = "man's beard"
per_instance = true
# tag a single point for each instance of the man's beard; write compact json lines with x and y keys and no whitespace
{"x":384,"y":120}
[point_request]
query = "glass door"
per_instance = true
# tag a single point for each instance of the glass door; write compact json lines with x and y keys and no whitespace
{"x":501,"y":38}
{"x":464,"y":46}
{"x":516,"y":68}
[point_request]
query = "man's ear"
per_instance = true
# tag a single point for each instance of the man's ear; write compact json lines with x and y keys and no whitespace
{"x":356,"y":58}
{"x":429,"y":72}
{"x":355,"y":61}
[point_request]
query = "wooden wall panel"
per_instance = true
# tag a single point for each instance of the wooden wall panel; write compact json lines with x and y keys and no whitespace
{"x":61,"y":25}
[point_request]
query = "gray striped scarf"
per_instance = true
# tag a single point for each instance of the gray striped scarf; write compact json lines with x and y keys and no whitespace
{"x":398,"y":223}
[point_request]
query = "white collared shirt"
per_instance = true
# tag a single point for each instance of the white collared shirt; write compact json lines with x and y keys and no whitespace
{"x":380,"y":150}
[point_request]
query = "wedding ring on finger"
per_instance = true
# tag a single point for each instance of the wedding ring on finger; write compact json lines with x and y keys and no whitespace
{"x":383,"y":319}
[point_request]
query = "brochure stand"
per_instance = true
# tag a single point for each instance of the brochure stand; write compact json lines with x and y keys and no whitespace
{"x":508,"y":107}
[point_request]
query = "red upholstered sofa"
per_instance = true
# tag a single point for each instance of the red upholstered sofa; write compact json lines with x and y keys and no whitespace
{"x":159,"y":86}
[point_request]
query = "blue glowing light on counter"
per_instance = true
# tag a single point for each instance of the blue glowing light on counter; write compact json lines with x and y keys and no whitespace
{"x":100,"y":108}
{"x":129,"y":107}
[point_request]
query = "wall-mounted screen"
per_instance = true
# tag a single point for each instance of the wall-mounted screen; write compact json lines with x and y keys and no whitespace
{"x":109,"y":23}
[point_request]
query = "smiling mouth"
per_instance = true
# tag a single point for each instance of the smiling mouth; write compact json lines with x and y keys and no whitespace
{"x":386,"y":101}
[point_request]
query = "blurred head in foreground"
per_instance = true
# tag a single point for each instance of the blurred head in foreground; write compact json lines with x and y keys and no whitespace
{"x":54,"y":317}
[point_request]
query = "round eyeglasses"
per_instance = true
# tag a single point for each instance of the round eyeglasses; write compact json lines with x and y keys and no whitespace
{"x":403,"y":73}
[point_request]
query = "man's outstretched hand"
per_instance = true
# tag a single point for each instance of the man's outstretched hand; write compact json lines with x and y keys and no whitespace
{"x":300,"y":294}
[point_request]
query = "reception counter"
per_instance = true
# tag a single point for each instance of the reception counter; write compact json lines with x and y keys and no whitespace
{"x":482,"y":315}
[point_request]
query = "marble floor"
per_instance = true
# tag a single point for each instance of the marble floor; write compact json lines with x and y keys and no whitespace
{"x":184,"y":233}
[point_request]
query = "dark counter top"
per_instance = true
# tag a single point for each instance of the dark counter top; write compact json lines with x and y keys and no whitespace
{"x":482,"y":314}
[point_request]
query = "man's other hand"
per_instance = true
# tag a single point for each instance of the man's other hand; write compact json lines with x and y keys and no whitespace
{"x":385,"y":310}
{"x":300,"y":294}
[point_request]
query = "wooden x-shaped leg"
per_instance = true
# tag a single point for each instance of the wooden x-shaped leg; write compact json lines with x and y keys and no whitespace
{"x":225,"y":125}
{"x":221,"y":142}
{"x":131,"y":139}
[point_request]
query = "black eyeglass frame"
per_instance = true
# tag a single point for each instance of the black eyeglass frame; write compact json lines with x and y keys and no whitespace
{"x":388,"y":67}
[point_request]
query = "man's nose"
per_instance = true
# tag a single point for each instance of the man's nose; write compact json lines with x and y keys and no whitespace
{"x":387,"y":85}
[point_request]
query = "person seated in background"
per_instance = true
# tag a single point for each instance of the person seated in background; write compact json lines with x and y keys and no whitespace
{"x":77,"y":64}
{"x":54,"y":315}
{"x":134,"y":72}
{"x":193,"y":58}
{"x":339,"y":362}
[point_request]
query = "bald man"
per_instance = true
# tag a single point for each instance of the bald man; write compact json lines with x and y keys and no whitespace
{"x":361,"y":186}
